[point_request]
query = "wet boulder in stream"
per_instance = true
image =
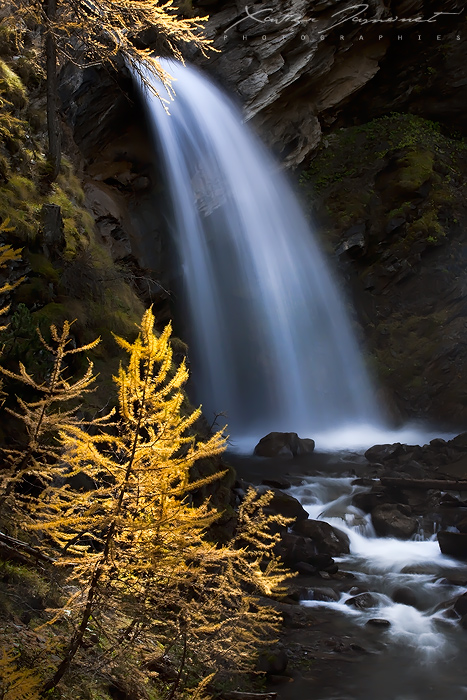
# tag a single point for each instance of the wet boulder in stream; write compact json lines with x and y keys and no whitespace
{"x":328,"y":540}
{"x":453,"y":544}
{"x":393,"y":520}
{"x":283,"y":504}
{"x":284,"y":445}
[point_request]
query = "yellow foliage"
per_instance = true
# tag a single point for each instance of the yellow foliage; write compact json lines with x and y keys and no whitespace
{"x":137,"y":542}
{"x":42,"y":418}
{"x":98,"y":31}
{"x":7,"y":254}
{"x":15,"y":683}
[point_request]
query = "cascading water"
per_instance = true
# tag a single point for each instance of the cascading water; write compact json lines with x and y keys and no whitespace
{"x":422,"y":646}
{"x":271,"y":344}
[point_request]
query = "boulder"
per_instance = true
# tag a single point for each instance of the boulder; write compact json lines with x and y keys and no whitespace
{"x":362,"y":601}
{"x":405,"y":596}
{"x":305,"y":569}
{"x":283,"y":445}
{"x":283,"y":504}
{"x":382,"y":453}
{"x":272,"y":661}
{"x":325,"y":594}
{"x":378,"y":622}
{"x":294,"y":548}
{"x":328,"y":540}
{"x":453,"y":544}
{"x":393,"y":520}
{"x":460,"y":606}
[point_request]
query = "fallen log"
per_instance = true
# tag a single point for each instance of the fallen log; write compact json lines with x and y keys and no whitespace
{"x":13,"y":543}
{"x":10,"y":554}
{"x":424,"y":484}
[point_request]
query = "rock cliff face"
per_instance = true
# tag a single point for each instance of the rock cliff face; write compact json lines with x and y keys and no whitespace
{"x":312,"y":78}
{"x":297,"y":65}
{"x":390,"y":198}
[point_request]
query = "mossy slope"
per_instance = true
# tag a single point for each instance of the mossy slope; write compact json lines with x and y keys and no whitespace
{"x":390,"y":198}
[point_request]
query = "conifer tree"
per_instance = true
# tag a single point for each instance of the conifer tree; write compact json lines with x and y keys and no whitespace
{"x":43,"y":418}
{"x":138,"y":545}
{"x":98,"y":31}
{"x":138,"y":519}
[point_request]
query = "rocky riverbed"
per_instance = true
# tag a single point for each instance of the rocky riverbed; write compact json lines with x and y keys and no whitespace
{"x":375,"y":609}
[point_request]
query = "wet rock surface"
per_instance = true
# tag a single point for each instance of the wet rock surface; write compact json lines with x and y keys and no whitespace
{"x":285,"y":445}
{"x":296,"y":74}
{"x":328,"y":539}
{"x":393,"y":520}
{"x":326,"y":651}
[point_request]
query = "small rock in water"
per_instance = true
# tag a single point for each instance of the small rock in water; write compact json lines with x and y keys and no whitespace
{"x":453,"y":543}
{"x":405,"y":596}
{"x":325,"y":575}
{"x":283,"y":445}
{"x":378,"y":622}
{"x":324,"y":594}
{"x":460,"y":606}
{"x":362,"y":601}
{"x":389,"y":521}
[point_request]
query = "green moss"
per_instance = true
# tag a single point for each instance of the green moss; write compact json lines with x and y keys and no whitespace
{"x":37,"y":291}
{"x":414,"y":169}
{"x":11,"y":86}
{"x":78,"y":224}
{"x":20,"y":202}
{"x":428,"y":226}
{"x":51,"y":314}
{"x":42,"y":266}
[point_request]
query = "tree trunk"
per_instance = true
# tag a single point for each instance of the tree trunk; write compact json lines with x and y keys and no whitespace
{"x":53,"y":122}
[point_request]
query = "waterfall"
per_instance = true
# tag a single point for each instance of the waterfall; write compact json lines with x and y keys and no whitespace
{"x":270,"y":341}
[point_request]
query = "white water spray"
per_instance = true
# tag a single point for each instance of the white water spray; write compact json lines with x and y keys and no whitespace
{"x":271,"y":344}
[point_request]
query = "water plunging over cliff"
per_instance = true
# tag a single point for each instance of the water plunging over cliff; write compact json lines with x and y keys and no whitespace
{"x":270,"y":342}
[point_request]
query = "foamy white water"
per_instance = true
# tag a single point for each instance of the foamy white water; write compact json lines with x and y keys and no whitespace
{"x":358,"y":437}
{"x":383,"y":566}
{"x":271,"y":344}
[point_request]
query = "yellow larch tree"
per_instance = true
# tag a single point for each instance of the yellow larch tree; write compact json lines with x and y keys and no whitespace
{"x":43,"y":418}
{"x":137,"y":543}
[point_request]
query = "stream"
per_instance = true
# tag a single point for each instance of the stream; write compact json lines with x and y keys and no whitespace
{"x":409,"y":643}
{"x":422,"y":651}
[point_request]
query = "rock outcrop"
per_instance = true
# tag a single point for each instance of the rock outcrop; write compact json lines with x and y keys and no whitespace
{"x":295,"y":65}
{"x":284,"y":445}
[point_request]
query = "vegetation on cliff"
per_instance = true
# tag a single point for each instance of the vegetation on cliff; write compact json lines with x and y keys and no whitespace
{"x":390,"y":198}
{"x":101,"y":31}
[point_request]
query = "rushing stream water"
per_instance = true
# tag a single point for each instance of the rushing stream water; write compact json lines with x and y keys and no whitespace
{"x":421,"y":651}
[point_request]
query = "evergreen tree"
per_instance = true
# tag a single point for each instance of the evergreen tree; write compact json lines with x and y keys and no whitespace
{"x":43,"y":418}
{"x":138,"y":545}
